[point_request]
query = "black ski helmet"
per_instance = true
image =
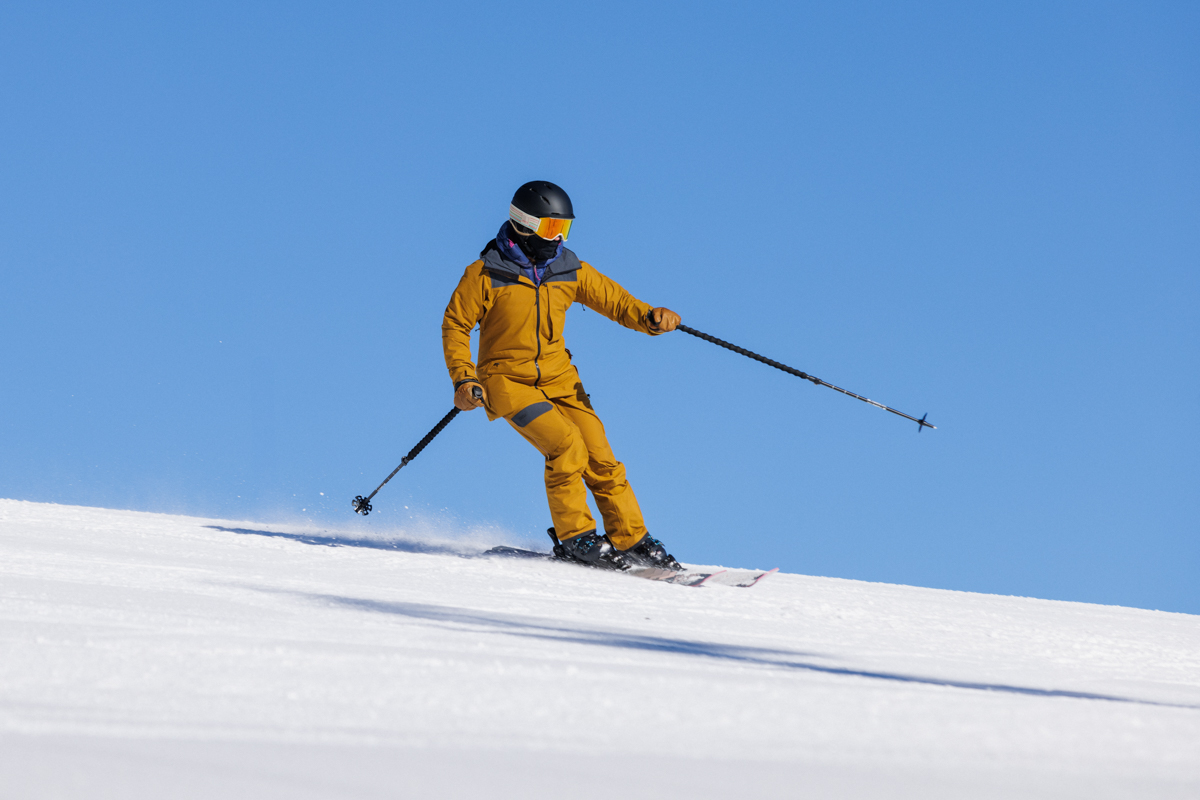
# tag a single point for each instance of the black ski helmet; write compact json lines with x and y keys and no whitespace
{"x":543,"y":199}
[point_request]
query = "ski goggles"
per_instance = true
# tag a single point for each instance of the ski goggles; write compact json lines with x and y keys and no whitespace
{"x":545,"y":227}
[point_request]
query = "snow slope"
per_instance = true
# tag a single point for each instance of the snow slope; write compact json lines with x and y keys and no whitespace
{"x":146,"y":655}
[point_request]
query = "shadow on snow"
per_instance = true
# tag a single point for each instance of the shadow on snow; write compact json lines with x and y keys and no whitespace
{"x":755,"y":656}
{"x":399,"y":545}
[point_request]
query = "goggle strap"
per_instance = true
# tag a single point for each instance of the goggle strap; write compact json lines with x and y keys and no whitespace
{"x":521,"y":218}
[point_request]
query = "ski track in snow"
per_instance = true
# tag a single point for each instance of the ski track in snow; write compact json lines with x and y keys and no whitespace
{"x":150,"y":655}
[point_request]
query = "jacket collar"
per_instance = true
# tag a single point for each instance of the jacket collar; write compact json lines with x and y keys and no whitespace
{"x":504,"y":255}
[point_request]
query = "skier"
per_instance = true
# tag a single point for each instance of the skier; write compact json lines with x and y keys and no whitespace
{"x":518,"y":292}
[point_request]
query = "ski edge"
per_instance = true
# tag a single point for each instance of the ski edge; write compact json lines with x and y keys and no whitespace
{"x":679,"y":578}
{"x":688,"y":578}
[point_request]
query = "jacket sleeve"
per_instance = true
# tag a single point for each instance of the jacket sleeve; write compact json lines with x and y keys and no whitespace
{"x":462,"y":315}
{"x":605,"y":296}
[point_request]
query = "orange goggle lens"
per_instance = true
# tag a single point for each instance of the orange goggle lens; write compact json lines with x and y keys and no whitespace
{"x":550,"y":228}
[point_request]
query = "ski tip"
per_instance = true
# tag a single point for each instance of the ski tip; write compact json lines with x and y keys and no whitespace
{"x":758,"y":578}
{"x":741,"y":579}
{"x":706,"y":578}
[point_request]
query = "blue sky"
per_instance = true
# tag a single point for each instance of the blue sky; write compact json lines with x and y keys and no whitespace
{"x":228,"y":233}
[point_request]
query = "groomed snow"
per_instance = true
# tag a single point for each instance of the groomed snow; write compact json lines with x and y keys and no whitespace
{"x":150,"y":656}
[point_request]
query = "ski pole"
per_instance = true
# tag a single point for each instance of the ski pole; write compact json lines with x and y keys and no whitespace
{"x":921,"y":423}
{"x":362,"y":505}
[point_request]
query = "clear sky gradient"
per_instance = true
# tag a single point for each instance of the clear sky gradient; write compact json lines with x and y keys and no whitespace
{"x":228,"y":232}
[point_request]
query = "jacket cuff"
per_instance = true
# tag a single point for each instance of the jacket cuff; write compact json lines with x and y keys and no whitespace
{"x":465,"y":380}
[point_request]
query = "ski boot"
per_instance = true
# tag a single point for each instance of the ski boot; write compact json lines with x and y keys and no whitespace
{"x":589,"y":550}
{"x":649,"y":552}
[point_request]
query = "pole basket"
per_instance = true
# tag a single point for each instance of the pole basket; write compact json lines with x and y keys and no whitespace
{"x":361,"y":506}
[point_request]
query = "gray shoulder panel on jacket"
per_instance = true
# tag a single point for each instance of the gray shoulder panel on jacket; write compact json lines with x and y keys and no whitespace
{"x":501,"y":278}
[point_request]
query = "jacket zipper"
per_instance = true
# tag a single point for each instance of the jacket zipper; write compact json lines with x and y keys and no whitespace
{"x":537,"y":331}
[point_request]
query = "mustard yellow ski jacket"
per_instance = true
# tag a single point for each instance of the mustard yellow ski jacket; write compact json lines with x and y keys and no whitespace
{"x":521,"y":325}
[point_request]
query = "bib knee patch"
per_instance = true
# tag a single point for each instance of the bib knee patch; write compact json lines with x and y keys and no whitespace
{"x":529,"y":413}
